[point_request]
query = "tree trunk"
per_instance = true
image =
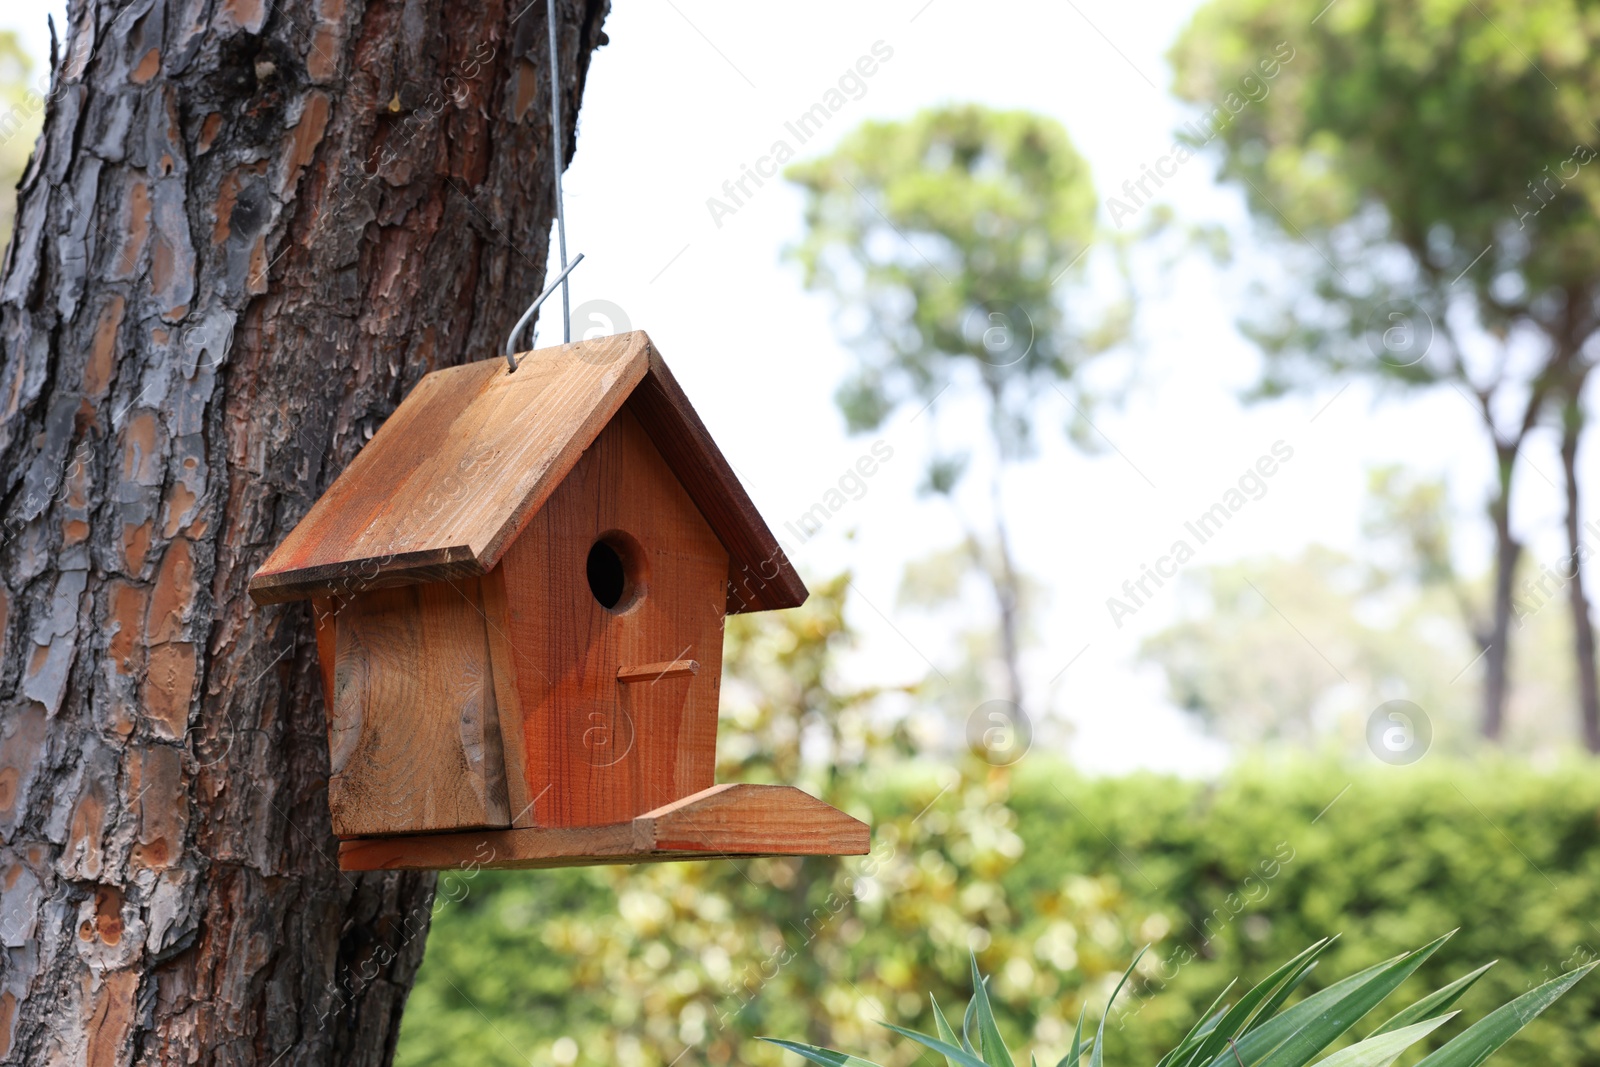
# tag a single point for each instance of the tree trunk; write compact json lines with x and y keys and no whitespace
{"x":1572,"y":426}
{"x":1008,"y":602}
{"x":1497,"y":648}
{"x":247,"y":231}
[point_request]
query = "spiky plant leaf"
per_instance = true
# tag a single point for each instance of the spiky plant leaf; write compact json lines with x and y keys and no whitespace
{"x":1242,"y":1015}
{"x":1473,"y":1046}
{"x":1075,"y":1053}
{"x":1203,"y":1026}
{"x":1293,"y":1037}
{"x":955,"y":1055}
{"x":946,"y":1033}
{"x":1269,"y":1010}
{"x":1269,"y":1032}
{"x":990,"y":1043}
{"x":1435,"y":1003}
{"x":1323,"y":1029}
{"x":1097,"y":1056}
{"x":825,"y":1056}
{"x":1384,"y":1049}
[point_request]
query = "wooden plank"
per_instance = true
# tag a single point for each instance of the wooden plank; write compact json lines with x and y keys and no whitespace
{"x":777,"y":820}
{"x":515,"y":848}
{"x":414,"y":734}
{"x":455,"y":472}
{"x":760,"y":576}
{"x":452,"y":476}
{"x":502,"y":660}
{"x":596,"y":750}
{"x":323,"y":610}
{"x":654,"y":672}
{"x":723,"y":822}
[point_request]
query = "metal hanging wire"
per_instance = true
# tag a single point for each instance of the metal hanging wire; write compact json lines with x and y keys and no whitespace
{"x":527,"y":316}
{"x":561,"y":216}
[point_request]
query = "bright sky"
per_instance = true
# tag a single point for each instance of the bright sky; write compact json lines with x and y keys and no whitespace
{"x":688,"y":92}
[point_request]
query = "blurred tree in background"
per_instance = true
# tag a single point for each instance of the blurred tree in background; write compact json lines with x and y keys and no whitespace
{"x":944,"y":241}
{"x":1360,"y":639}
{"x":1255,"y":681}
{"x":1438,"y":159}
{"x":1369,"y":630}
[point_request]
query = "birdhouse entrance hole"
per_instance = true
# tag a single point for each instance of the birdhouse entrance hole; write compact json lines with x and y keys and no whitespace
{"x":614,"y":567}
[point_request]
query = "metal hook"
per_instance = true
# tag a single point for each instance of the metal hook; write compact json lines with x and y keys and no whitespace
{"x":511,"y":340}
{"x":561,"y":214}
{"x":560,"y":164}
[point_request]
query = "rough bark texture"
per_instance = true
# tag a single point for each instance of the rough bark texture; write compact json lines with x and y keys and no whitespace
{"x":247,"y":230}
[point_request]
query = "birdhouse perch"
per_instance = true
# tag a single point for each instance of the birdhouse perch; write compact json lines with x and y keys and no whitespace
{"x":519,"y":589}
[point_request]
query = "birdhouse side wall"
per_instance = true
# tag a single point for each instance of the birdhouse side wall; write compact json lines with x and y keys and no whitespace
{"x":414,"y":738}
{"x":613,"y":710}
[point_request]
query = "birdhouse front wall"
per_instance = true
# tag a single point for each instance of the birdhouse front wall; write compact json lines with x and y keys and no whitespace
{"x":613,"y":710}
{"x":550,"y":692}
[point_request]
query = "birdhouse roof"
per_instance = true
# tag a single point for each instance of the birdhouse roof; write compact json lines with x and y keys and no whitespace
{"x":474,"y":451}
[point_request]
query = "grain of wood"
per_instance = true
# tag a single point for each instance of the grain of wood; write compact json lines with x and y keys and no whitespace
{"x":723,"y":822}
{"x":414,"y":734}
{"x":596,"y":750}
{"x":323,"y":612}
{"x":503,"y":660}
{"x":473,"y":452}
{"x":654,"y":672}
{"x":453,"y":474}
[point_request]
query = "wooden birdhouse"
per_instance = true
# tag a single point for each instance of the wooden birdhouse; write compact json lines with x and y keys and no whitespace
{"x":519,"y":588}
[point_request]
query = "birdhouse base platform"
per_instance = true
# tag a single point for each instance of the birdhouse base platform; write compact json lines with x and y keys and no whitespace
{"x":723,"y":822}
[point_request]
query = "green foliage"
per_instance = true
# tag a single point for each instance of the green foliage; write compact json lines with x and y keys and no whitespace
{"x":942,"y":239}
{"x":1438,"y":153}
{"x":783,"y":686}
{"x":1054,"y":880}
{"x":1258,"y":1031}
{"x":21,"y":116}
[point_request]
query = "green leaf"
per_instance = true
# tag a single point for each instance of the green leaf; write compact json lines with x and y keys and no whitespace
{"x":1238,"y":1019}
{"x":1473,"y":1046}
{"x":1269,"y":1010}
{"x":1075,"y":1053}
{"x":957,"y":1056}
{"x":947,"y":1034}
{"x":1269,"y":1033}
{"x":1383,"y":1049}
{"x":825,"y":1056}
{"x":1207,"y":1022}
{"x":1434,"y":1003}
{"x":1320,"y":1030}
{"x":994,"y":1049}
{"x":1097,"y":1057}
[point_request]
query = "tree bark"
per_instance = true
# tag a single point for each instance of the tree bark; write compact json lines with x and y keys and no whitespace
{"x":1497,"y":642}
{"x":1583,"y":642}
{"x":246,"y":232}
